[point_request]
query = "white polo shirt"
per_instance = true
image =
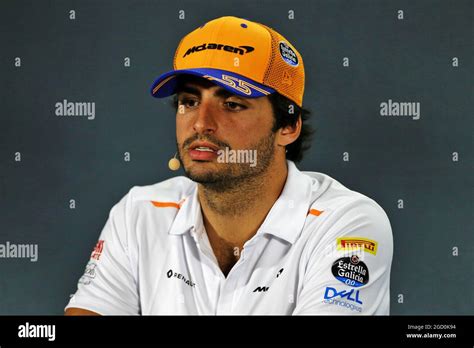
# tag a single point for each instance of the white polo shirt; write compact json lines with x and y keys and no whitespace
{"x":322,"y":249}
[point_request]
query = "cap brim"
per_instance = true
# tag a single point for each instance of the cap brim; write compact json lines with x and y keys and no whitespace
{"x":165,"y":85}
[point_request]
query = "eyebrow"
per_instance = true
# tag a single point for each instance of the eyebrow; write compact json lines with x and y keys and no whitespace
{"x":220,"y":92}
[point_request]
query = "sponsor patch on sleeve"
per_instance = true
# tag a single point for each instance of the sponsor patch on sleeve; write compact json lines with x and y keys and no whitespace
{"x":97,"y":250}
{"x":89,"y":273}
{"x":351,"y":271}
{"x":348,"y":298}
{"x":357,"y":243}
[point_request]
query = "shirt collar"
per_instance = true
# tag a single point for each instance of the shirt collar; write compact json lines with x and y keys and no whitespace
{"x":288,"y":215}
{"x":189,"y":215}
{"x":285,"y":219}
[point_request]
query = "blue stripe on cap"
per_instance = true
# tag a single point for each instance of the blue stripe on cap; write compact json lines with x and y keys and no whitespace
{"x":165,"y":85}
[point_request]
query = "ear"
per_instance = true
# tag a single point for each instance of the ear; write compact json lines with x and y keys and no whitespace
{"x":289,"y":134}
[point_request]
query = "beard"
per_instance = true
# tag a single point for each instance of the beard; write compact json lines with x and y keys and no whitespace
{"x":231,"y":176}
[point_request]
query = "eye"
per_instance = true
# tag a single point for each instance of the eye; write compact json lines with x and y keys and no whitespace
{"x":188,"y":102}
{"x":235,"y":106}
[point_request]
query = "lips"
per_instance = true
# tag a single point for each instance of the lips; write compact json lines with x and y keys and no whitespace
{"x":203,"y":151}
{"x":204,"y":145}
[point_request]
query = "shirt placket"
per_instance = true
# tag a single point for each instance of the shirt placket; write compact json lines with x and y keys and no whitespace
{"x":211,"y":270}
{"x":232,"y":287}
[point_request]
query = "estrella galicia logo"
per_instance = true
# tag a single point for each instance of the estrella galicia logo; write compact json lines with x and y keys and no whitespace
{"x":351,"y":271}
{"x":288,"y":55}
{"x":170,"y":274}
{"x":352,"y":295}
{"x":215,"y":46}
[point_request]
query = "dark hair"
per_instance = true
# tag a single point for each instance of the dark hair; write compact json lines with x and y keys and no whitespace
{"x":286,"y":114}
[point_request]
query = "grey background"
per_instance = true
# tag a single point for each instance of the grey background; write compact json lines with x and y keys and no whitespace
{"x":394,"y":158}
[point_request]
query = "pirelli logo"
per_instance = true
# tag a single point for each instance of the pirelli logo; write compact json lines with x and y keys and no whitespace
{"x":350,"y":243}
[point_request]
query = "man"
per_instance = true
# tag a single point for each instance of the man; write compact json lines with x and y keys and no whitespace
{"x":246,"y":232}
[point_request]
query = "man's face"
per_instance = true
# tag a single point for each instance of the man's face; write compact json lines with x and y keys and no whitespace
{"x":209,"y":119}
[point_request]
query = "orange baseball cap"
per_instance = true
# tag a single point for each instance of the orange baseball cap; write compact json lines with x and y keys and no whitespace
{"x":246,"y":58}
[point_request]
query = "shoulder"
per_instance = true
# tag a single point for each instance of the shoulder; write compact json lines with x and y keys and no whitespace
{"x":141,"y":201}
{"x":146,"y":213}
{"x":344,"y":215}
{"x":329,"y":195}
{"x":170,"y":191}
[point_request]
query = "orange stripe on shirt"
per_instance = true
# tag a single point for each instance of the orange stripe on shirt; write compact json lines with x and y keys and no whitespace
{"x":166,"y":204}
{"x":315,"y":212}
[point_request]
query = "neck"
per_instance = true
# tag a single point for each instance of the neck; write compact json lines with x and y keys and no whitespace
{"x":233,"y":216}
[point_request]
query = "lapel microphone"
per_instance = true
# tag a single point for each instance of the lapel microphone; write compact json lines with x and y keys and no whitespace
{"x":174,"y":163}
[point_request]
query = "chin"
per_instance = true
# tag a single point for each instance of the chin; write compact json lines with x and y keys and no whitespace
{"x":201,"y":171}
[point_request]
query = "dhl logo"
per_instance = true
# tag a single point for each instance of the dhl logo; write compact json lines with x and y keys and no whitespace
{"x":347,"y":243}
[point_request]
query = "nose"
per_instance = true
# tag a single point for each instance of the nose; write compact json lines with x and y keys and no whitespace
{"x":205,"y":122}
